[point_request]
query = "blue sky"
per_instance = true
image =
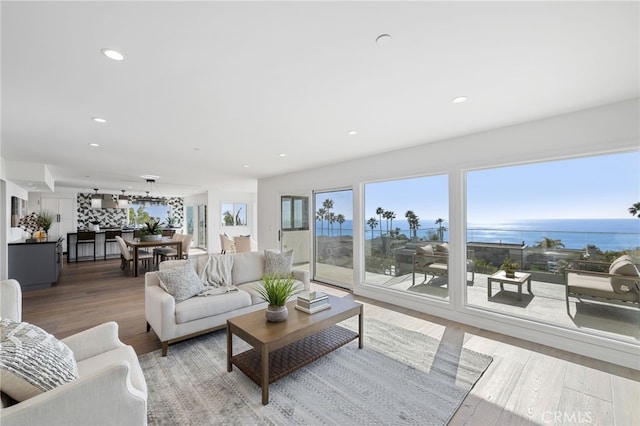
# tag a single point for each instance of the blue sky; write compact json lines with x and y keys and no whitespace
{"x":601,"y":187}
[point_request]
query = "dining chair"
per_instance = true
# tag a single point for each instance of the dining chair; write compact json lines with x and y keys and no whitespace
{"x":126,"y":255}
{"x":172,"y":253}
{"x":227,"y":244}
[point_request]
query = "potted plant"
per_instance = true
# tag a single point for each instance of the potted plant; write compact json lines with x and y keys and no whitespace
{"x":45,"y":220}
{"x":171,"y":221}
{"x":276,"y":290}
{"x":151,"y":231}
{"x":509,"y":266}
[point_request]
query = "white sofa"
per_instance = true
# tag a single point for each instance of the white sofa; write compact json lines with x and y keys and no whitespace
{"x":173,"y":321}
{"x":110,"y":388}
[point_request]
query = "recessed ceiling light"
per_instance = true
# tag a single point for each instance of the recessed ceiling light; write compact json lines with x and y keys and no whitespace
{"x":112,"y":54}
{"x":283,"y":155}
{"x":94,"y":144}
{"x":149,"y":177}
{"x":352,"y":132}
{"x":383,"y":39}
{"x":246,"y":166}
{"x":99,"y":120}
{"x":459,"y":99}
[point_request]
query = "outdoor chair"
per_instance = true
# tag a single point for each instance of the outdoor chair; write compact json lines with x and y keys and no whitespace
{"x":434,"y":261}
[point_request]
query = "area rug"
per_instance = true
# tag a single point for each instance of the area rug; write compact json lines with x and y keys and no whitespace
{"x":399,"y":377}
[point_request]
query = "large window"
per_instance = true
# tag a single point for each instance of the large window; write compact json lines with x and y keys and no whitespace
{"x":550,"y":218}
{"x":406,"y":235}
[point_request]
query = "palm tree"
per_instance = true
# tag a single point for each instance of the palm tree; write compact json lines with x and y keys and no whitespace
{"x":379,"y":212}
{"x":414,"y":222}
{"x":372,"y":222}
{"x":340,"y":219}
{"x":389,"y":215}
{"x":441,"y":228}
{"x":549,"y":243}
{"x":331,"y":217}
{"x":635,"y":209}
{"x":320,"y":214}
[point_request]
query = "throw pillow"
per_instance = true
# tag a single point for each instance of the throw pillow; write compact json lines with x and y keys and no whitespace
{"x":426,"y":250}
{"x":624,"y":267}
{"x":32,"y":361}
{"x":181,"y":282}
{"x":443,"y":248}
{"x":278,"y":263}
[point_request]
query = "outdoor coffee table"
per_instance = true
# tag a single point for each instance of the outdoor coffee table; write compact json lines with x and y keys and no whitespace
{"x":501,"y":277}
{"x":283,"y":347}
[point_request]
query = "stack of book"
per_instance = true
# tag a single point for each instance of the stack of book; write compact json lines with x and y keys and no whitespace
{"x":312,"y":302}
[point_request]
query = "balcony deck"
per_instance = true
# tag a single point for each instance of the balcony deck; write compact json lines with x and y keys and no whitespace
{"x":546,"y":304}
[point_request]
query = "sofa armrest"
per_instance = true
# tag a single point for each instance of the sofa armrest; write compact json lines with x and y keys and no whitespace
{"x":93,"y":341}
{"x":303,"y":276}
{"x":11,"y":300}
{"x":159,"y":307}
{"x":105,"y":398}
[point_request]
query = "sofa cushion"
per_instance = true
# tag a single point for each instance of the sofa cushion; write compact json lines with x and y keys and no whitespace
{"x":32,"y":361}
{"x":247,"y":267}
{"x":208,"y":306}
{"x":623,"y":267}
{"x":278,"y":263}
{"x":181,"y":282}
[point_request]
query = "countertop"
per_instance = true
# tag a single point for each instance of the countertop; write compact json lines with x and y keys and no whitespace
{"x":51,"y":239}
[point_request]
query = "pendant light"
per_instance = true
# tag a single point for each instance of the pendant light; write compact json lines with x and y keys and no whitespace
{"x":96,"y":200}
{"x":123,"y":201}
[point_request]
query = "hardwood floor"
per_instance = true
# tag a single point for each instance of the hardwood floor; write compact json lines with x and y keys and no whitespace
{"x":526,"y":384}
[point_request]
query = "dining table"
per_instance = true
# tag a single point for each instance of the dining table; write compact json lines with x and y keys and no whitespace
{"x":136,"y":244}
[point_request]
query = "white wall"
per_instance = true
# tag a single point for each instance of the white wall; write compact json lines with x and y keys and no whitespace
{"x":8,"y":189}
{"x":610,"y":128}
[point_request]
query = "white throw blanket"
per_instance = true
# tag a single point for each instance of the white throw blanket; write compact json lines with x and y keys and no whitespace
{"x":216,"y":275}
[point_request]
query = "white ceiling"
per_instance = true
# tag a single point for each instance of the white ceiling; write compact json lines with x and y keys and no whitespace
{"x":243,"y":82}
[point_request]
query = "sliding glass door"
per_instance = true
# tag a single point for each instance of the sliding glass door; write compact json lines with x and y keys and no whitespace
{"x":333,"y":237}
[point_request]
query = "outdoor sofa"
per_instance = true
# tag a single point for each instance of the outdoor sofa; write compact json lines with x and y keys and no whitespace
{"x":620,"y":284}
{"x":176,"y":317}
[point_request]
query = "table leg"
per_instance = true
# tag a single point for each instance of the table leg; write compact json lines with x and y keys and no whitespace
{"x":229,"y":348}
{"x":361,"y":328}
{"x":489,"y":282}
{"x":135,"y":261}
{"x":265,"y":374}
{"x":520,"y":291}
{"x":529,"y":285}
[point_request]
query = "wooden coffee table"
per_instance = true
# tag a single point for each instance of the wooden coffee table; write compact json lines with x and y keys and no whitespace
{"x":501,"y":277}
{"x":282,"y":348}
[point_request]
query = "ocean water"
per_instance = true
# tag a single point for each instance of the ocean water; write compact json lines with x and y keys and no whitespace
{"x":606,"y":234}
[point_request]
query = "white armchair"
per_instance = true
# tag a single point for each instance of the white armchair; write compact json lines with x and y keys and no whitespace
{"x":110,"y":389}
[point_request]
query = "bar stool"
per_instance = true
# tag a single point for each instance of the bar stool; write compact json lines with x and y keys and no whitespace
{"x":85,"y":237}
{"x":110,"y":237}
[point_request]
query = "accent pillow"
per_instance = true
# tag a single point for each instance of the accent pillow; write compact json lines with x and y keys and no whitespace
{"x":443,"y":248}
{"x":32,"y":361}
{"x":278,"y":263}
{"x":180,"y":282}
{"x":623,"y":267}
{"x":426,"y":250}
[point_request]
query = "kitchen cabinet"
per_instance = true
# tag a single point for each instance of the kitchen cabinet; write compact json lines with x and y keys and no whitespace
{"x":35,"y":264}
{"x":64,"y":214}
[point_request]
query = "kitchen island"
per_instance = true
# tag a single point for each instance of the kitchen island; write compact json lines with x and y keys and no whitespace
{"x":35,"y":263}
{"x":86,"y":250}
